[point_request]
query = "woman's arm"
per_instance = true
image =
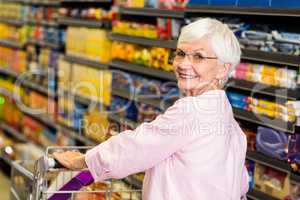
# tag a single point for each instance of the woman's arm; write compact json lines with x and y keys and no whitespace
{"x":134,"y":151}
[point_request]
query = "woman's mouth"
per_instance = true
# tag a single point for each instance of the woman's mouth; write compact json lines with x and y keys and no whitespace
{"x":186,"y":76}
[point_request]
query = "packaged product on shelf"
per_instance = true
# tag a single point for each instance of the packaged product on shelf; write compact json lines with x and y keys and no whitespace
{"x":96,"y":125}
{"x":268,"y":180}
{"x":124,"y":108}
{"x":92,"y":83}
{"x":250,"y":167}
{"x":135,"y":29}
{"x":269,"y":75}
{"x":13,"y":59}
{"x":63,"y":139}
{"x":91,"y":43}
{"x":64,"y":75}
{"x":12,"y":114}
{"x":155,"y":57}
{"x":12,"y":10}
{"x":294,"y":191}
{"x":251,"y":139}
{"x":12,"y":33}
{"x":39,"y":13}
{"x":294,"y":153}
{"x":147,"y":113}
{"x":272,"y":143}
{"x":43,"y":103}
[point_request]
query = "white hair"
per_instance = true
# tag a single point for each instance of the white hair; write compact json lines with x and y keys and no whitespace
{"x":224,"y":43}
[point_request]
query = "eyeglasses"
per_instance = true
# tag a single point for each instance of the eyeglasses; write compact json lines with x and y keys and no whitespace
{"x":195,"y":58}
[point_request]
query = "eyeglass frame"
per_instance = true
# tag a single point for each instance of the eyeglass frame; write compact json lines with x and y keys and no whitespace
{"x":173,"y":56}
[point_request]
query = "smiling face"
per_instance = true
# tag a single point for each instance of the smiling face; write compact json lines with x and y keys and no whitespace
{"x":194,"y":77}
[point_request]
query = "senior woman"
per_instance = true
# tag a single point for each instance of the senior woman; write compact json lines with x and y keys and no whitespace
{"x":195,"y":149}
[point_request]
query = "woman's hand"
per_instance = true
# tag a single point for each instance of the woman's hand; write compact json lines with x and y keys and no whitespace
{"x":71,"y":159}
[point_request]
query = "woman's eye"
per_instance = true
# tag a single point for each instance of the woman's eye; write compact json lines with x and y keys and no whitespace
{"x":198,"y":57}
{"x":180,"y":54}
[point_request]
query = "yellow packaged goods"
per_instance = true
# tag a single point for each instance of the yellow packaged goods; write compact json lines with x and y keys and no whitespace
{"x":92,"y":83}
{"x":64,"y":75}
{"x":88,"y":43}
{"x":96,"y":125}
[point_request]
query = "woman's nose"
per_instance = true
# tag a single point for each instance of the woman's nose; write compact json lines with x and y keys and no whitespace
{"x":186,"y":63}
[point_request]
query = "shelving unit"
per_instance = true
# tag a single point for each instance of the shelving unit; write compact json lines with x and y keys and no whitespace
{"x":140,"y":69}
{"x":257,"y":195}
{"x":273,"y":58}
{"x":268,"y":161}
{"x":151,"y":12}
{"x":82,"y":22}
{"x":240,"y":85}
{"x":14,"y":22}
{"x":143,"y":41}
{"x":84,"y":61}
{"x":44,"y":44}
{"x":277,"y":124}
{"x":54,"y":3}
{"x":232,"y":10}
{"x":11,"y":44}
{"x":283,"y":93}
{"x":14,"y":133}
{"x":43,"y":23}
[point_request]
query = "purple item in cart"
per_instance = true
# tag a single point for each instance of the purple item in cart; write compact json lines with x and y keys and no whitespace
{"x":82,"y":179}
{"x":272,"y":143}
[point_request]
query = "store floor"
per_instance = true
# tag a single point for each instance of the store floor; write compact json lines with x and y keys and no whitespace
{"x":4,"y":186}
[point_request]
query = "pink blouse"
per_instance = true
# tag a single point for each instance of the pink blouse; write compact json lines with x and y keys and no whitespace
{"x":195,"y":150}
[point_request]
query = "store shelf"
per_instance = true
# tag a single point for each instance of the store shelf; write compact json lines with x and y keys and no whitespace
{"x":42,"y":2}
{"x":39,"y":88}
{"x":140,"y":69}
{"x":82,"y":22}
{"x":42,"y":23}
{"x":234,"y":10}
{"x":14,"y":133}
{"x":11,"y":44}
{"x":85,"y":1}
{"x":257,"y":195}
{"x":44,"y":44}
{"x":42,"y":118}
{"x":75,"y":135}
{"x":295,"y":178}
{"x":14,"y":22}
{"x":278,"y":124}
{"x":152,"y":12}
{"x":268,"y":161}
{"x":274,"y":58}
{"x":156,"y":102}
{"x":171,"y":44}
{"x":122,"y":121}
{"x":133,"y":182}
{"x":284,"y":93}
{"x":8,"y":72}
{"x":84,"y":61}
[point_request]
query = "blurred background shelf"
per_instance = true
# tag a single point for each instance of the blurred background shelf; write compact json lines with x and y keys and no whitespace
{"x":151,"y":12}
{"x":140,"y":69}
{"x":143,"y":41}
{"x":284,"y":93}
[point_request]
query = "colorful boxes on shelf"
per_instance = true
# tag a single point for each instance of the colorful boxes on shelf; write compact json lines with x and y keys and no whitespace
{"x":90,"y":43}
{"x":266,"y":74}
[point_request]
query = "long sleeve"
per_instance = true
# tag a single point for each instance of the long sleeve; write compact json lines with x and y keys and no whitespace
{"x":134,"y":151}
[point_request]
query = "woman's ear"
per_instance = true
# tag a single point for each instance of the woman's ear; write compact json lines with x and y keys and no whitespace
{"x":224,"y":69}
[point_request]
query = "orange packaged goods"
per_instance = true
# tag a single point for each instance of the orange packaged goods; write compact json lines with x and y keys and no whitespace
{"x":43,"y":103}
{"x":12,"y":59}
{"x":12,"y":114}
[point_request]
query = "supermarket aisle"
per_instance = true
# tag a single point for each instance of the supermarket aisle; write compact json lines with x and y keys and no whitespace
{"x":4,"y":186}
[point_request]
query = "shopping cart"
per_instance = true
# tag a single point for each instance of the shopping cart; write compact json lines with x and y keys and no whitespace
{"x":45,"y":179}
